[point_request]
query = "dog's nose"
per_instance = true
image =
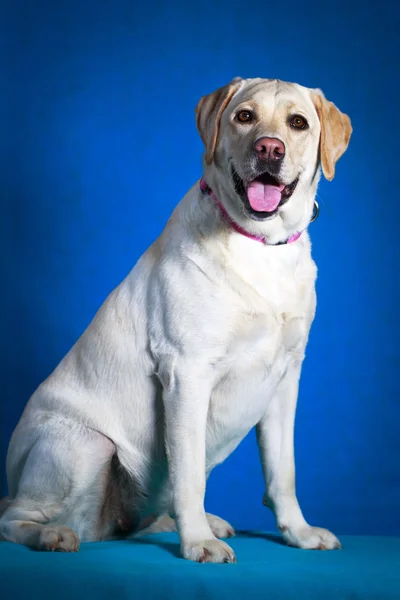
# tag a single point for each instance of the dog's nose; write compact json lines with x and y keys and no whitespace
{"x":270,"y":149}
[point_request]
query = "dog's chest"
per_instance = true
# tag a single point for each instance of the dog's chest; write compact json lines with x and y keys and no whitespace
{"x":268,"y":334}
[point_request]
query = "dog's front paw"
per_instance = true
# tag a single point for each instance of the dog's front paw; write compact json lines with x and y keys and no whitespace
{"x":310,"y":538}
{"x":211,"y":551}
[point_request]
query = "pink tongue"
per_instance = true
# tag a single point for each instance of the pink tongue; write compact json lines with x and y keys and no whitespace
{"x":264,"y":198}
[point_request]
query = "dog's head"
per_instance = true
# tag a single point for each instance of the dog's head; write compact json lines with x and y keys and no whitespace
{"x":265,"y":140}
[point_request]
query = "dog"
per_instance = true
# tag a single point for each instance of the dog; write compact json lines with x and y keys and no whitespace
{"x":202,"y":341}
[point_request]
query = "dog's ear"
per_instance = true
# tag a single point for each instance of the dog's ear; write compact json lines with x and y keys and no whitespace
{"x":209,"y":112}
{"x":336,"y":130}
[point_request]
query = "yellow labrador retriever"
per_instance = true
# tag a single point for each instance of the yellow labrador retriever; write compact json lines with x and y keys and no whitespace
{"x":202,"y":341}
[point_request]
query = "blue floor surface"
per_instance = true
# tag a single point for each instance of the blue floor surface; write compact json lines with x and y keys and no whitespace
{"x":150,"y":568}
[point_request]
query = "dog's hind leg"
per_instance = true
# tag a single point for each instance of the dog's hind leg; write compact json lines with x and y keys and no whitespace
{"x":59,"y":481}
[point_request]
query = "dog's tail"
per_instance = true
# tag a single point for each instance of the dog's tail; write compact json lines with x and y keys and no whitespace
{"x":4,"y":504}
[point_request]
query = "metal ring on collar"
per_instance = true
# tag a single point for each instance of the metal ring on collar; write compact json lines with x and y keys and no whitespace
{"x":315,"y":213}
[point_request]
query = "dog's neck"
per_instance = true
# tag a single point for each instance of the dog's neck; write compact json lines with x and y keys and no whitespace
{"x":205,"y":188}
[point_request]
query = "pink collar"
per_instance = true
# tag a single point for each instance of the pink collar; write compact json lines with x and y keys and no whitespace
{"x":205,"y":188}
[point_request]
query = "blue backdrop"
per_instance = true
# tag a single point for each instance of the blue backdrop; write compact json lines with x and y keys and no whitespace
{"x":97,"y":116}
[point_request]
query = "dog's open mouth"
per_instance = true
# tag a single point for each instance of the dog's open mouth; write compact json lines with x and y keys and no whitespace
{"x":262,"y":196}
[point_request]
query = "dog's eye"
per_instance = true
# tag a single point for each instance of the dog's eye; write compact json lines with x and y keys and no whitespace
{"x":298,"y":122}
{"x":244,"y":116}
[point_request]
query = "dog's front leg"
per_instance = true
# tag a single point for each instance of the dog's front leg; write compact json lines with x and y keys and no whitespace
{"x":275,"y":434}
{"x":186,"y":400}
